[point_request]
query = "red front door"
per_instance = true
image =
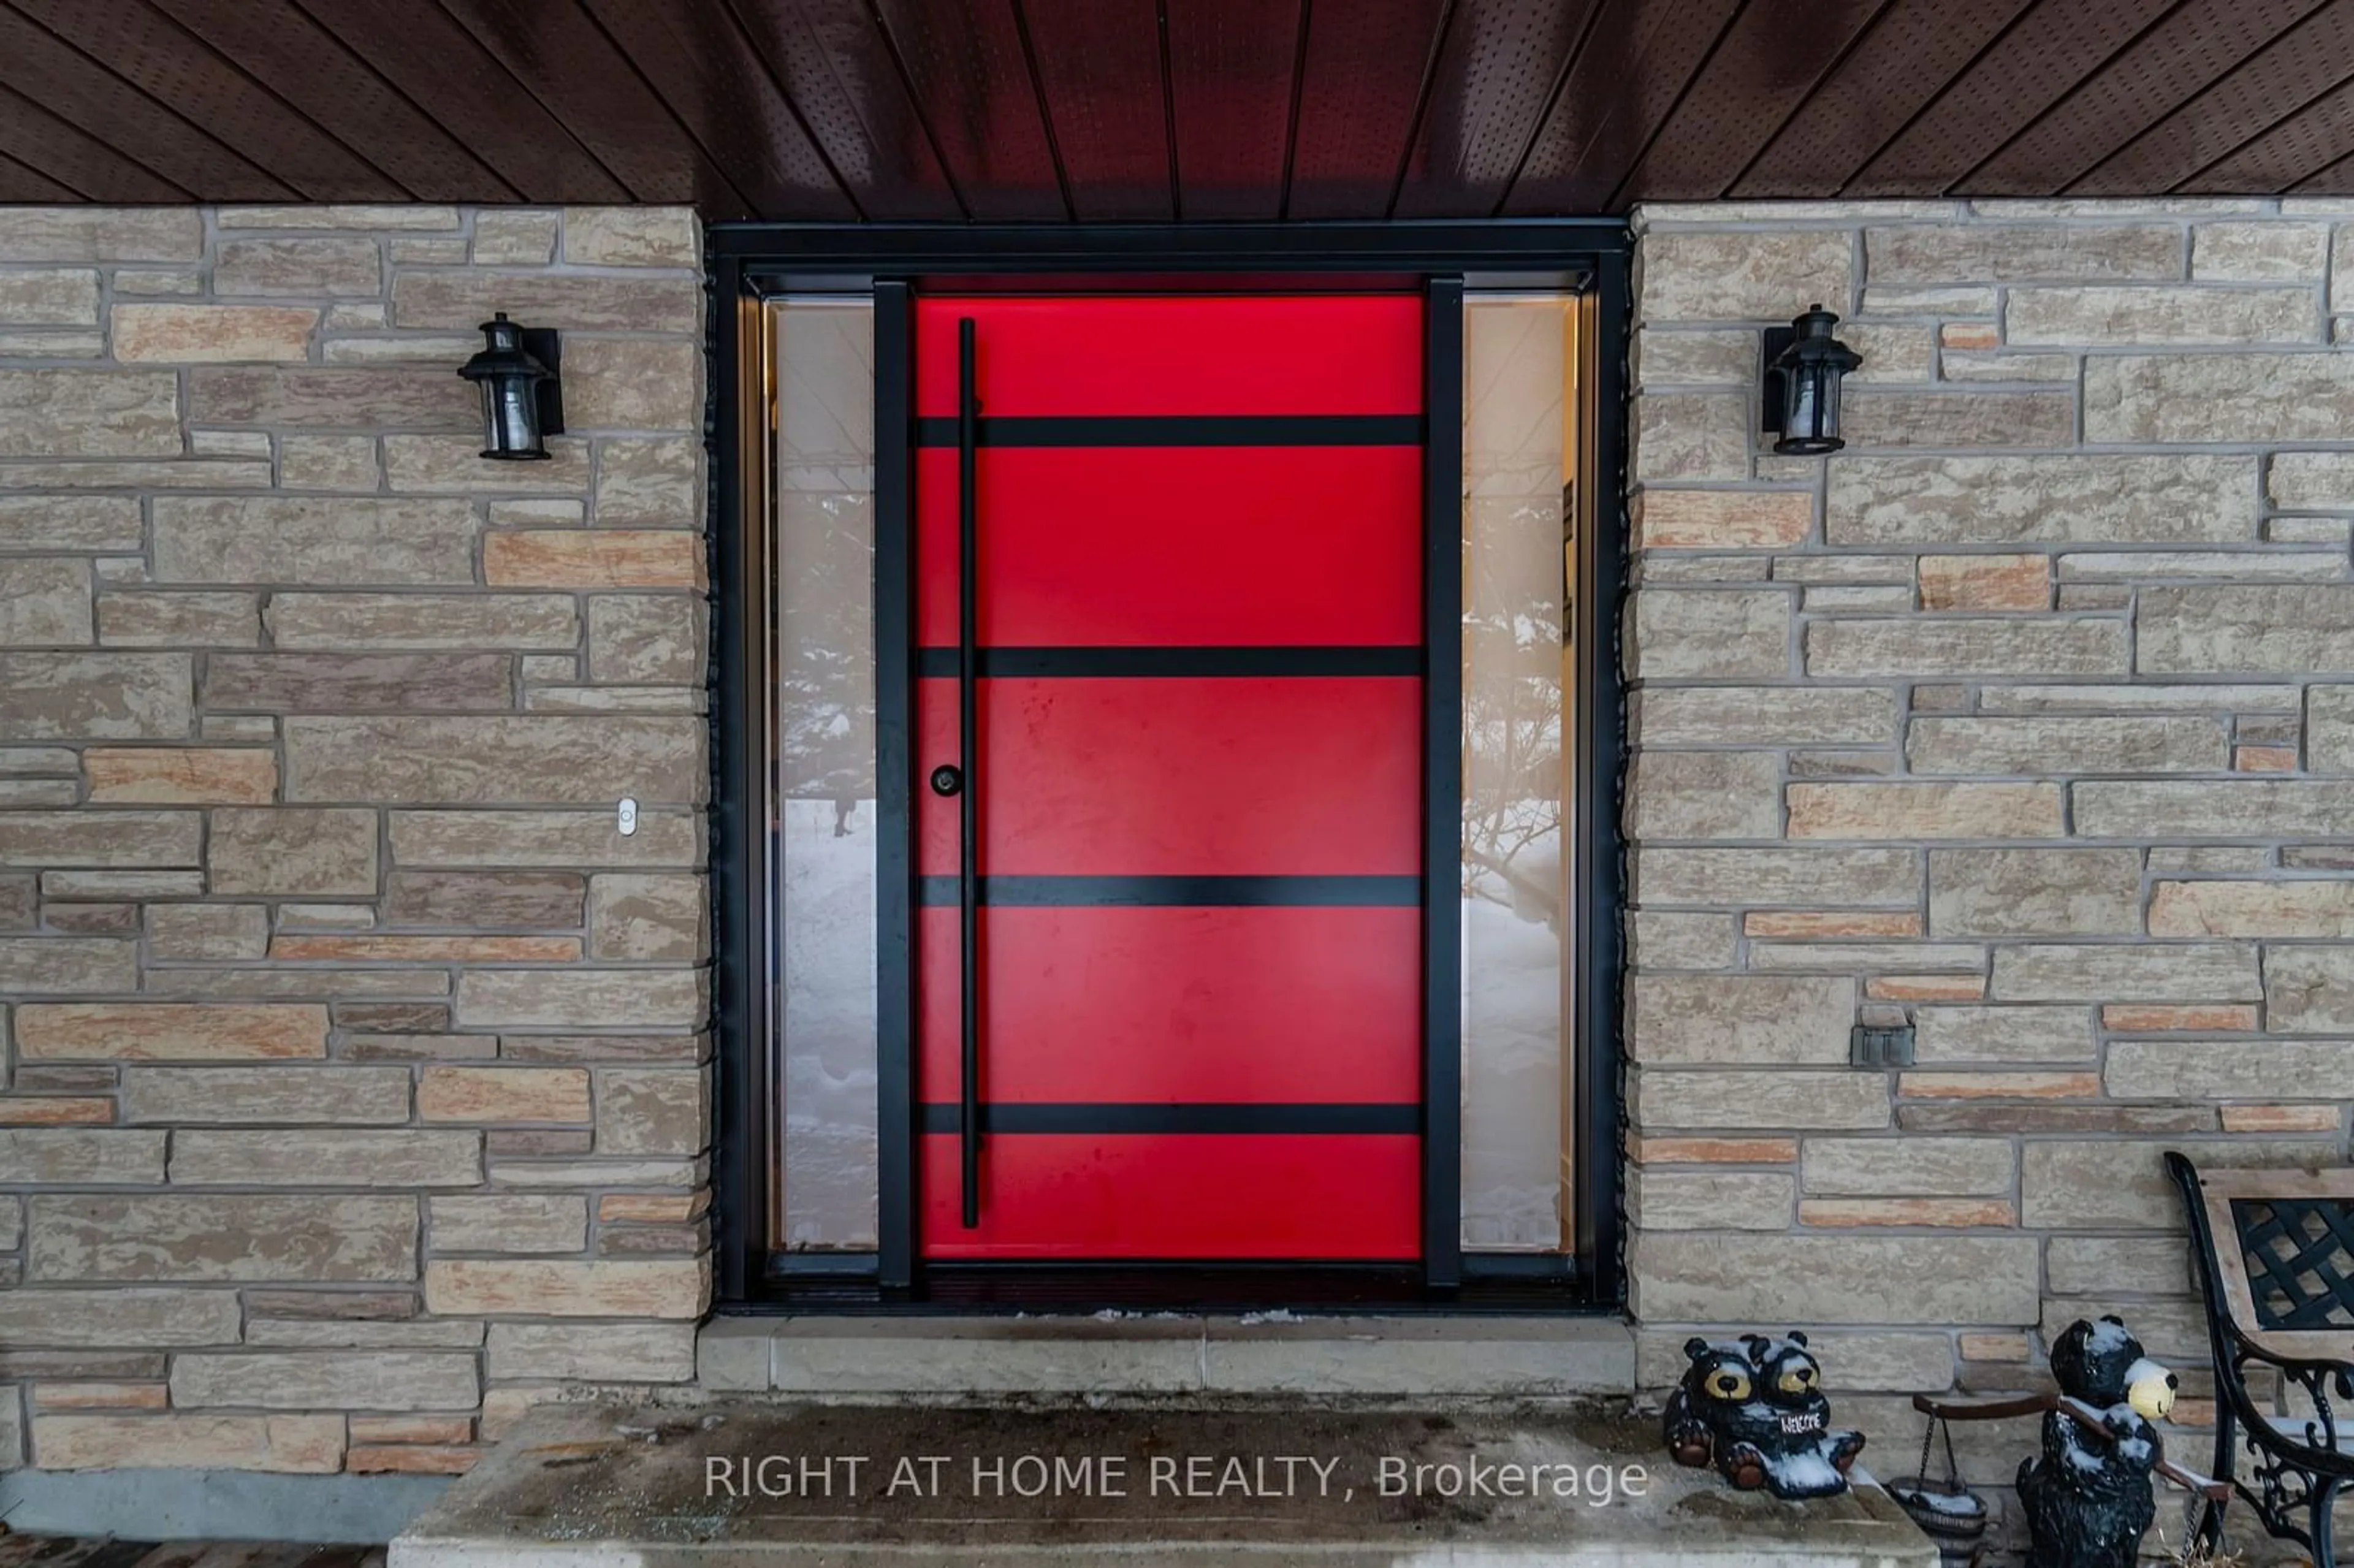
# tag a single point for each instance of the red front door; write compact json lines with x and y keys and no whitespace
{"x":1194,"y":791}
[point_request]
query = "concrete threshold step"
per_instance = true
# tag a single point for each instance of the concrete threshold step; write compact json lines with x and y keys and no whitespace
{"x":1249,"y":1483}
{"x":1168,"y":1352}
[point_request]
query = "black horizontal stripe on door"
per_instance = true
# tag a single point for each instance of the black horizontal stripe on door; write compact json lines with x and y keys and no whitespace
{"x":1033,"y":663}
{"x":1198,"y":892}
{"x":1114,"y":1118}
{"x":1179,"y":431}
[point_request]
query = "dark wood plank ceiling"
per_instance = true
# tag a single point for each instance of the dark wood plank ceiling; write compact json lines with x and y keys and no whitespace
{"x":1059,"y":110}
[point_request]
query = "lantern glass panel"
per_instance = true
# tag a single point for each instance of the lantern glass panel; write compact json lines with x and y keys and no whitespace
{"x":1802,"y":418}
{"x":512,"y":416}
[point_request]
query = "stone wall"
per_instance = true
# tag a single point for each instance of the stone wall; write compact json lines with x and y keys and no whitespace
{"x":2029,"y":720}
{"x":353,"y":1090}
{"x":354,"y":1096}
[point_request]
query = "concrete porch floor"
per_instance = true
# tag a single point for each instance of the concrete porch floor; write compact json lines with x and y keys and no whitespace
{"x":1167,"y":1353}
{"x":1248,"y":1485}
{"x":103,"y":1552}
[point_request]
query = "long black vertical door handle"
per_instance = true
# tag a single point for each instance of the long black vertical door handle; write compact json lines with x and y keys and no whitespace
{"x":968,"y":798}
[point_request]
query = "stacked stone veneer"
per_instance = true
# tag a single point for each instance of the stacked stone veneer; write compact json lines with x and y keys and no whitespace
{"x":353,"y":1092}
{"x":2027,"y":719}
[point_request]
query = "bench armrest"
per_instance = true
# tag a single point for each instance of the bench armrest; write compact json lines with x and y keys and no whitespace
{"x":2328,"y":1447}
{"x":2328,"y":1444}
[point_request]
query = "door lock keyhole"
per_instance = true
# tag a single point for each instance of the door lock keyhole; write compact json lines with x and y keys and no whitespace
{"x":947,"y":779}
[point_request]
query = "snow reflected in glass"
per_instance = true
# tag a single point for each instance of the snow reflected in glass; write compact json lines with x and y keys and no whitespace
{"x":1517,"y":462}
{"x":824,"y":509}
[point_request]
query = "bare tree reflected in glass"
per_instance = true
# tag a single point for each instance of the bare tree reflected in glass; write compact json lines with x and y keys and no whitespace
{"x":1515,"y":467}
{"x":826,"y":675}
{"x":1512,"y":714}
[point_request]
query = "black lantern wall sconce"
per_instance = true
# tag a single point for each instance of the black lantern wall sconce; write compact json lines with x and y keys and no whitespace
{"x":1804,"y":365}
{"x":523,"y":399}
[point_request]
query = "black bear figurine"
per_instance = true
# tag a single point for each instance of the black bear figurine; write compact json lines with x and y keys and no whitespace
{"x":2088,"y":1499}
{"x":1756,"y":1411}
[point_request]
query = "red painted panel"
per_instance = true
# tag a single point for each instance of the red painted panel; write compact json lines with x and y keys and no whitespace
{"x":1334,"y":353}
{"x":1483,"y":102}
{"x":1232,"y":1005}
{"x":1230,"y":104}
{"x":1193,"y":546}
{"x":1361,"y":82}
{"x":1180,"y":1195}
{"x":958,"y":56}
{"x":1093,"y":69}
{"x":1179,"y":776}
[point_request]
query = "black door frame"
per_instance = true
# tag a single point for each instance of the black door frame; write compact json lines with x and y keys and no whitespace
{"x":750,"y":263}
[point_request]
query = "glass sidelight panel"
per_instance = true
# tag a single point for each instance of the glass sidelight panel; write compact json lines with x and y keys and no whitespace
{"x":822,"y":363}
{"x":1520,"y":457}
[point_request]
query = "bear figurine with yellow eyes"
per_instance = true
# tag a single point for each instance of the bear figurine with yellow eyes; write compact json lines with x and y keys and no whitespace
{"x":2087,"y":1497}
{"x":1756,"y":1410}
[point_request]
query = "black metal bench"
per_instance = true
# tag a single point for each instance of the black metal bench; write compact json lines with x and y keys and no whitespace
{"x":2275,"y":1252}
